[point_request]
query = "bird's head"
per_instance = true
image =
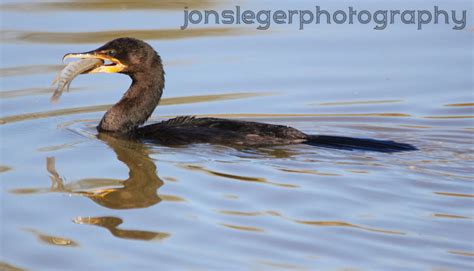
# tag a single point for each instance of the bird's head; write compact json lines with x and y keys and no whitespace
{"x":123,"y":55}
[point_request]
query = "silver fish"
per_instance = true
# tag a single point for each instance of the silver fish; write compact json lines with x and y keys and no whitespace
{"x":73,"y":69}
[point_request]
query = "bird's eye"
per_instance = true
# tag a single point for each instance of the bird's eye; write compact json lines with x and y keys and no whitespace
{"x":111,"y":52}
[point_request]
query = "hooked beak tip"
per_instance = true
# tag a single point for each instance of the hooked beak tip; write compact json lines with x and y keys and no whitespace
{"x":66,"y":56}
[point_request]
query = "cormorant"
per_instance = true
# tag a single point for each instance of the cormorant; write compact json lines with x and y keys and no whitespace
{"x":142,"y":63}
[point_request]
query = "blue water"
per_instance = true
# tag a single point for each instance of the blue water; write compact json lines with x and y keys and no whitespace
{"x":73,"y":200}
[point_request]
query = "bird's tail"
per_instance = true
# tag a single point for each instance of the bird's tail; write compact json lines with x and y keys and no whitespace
{"x":350,"y":143}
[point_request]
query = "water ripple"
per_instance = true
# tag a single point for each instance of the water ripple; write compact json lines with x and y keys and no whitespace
{"x":236,"y":177}
{"x":101,"y":5}
{"x":111,"y":224}
{"x":53,"y":240}
{"x":347,"y":225}
{"x":98,"y":108}
{"x":17,"y":36}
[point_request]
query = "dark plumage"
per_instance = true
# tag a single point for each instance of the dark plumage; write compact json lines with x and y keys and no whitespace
{"x":138,"y":60}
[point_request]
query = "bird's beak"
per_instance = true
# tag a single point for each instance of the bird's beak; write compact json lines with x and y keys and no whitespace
{"x":110,"y":65}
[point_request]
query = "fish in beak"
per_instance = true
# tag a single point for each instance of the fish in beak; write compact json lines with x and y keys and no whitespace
{"x":110,"y":65}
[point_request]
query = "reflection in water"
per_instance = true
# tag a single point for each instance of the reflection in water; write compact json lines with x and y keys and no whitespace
{"x":308,"y":171}
{"x":107,"y":5}
{"x":345,"y":224}
{"x":240,"y":213}
{"x":236,"y":177}
{"x":454,"y":194}
{"x":8,"y":267}
{"x":461,"y":105}
{"x":53,"y":240}
{"x":29,"y":70}
{"x":462,"y":253}
{"x":242,"y":228}
{"x":4,"y":168}
{"x":303,"y":222}
{"x":10,"y":36}
{"x":360,"y":102}
{"x":451,"y":216}
{"x":111,"y":223}
{"x":276,"y":152}
{"x":26,"y":70}
{"x":138,"y":191}
{"x":273,"y":208}
{"x":60,"y":146}
{"x":28,"y":92}
{"x":105,"y":107}
{"x":449,"y":117}
{"x":282,"y":266}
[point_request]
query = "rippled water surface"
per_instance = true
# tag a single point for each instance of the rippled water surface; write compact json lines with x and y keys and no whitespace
{"x":75,"y":200}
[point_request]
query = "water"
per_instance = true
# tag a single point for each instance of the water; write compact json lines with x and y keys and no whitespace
{"x":72,"y":199}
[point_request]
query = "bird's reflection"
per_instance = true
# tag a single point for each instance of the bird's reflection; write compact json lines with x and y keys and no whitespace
{"x":111,"y":223}
{"x":138,"y":191}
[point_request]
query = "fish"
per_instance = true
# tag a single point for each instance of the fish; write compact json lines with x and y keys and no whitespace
{"x":71,"y":71}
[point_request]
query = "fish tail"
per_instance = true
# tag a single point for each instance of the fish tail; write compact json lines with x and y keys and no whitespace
{"x":68,"y":85}
{"x":55,"y":97}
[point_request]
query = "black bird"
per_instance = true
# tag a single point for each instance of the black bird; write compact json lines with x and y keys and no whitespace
{"x":142,"y":63}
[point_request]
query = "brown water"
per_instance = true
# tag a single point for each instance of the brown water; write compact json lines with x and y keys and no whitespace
{"x":74,"y":200}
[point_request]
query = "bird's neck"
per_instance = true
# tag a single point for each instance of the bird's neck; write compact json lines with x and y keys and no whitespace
{"x":137,"y":103}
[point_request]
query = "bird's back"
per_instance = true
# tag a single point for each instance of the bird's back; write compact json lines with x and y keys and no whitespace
{"x":189,"y":129}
